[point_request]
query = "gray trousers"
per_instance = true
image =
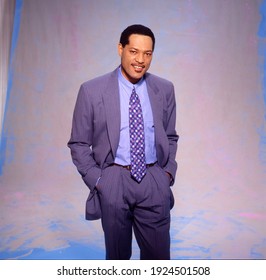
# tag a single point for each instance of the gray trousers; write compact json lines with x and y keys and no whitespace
{"x":143,"y":207}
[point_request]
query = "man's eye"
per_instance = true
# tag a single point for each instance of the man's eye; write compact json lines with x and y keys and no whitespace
{"x":133,"y":52}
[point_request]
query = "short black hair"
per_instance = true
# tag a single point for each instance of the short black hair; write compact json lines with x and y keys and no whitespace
{"x":136,"y":29}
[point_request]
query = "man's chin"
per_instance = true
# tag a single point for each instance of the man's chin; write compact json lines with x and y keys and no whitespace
{"x":136,"y":76}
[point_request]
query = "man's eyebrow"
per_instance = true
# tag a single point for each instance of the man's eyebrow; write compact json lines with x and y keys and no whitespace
{"x":136,"y":49}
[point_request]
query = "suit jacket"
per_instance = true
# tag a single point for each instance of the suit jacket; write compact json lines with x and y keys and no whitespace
{"x":96,"y":129}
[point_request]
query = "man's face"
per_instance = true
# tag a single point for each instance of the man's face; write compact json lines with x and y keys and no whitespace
{"x":136,"y":57}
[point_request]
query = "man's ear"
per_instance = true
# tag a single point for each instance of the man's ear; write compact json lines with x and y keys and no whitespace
{"x":120,"y":49}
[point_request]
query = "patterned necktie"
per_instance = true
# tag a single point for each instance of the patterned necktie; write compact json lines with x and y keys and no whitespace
{"x":137,"y":139}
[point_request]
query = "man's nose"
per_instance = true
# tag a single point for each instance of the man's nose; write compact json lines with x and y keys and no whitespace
{"x":140,"y":58}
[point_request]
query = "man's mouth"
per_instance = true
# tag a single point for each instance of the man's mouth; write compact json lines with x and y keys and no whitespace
{"x":138,"y":68}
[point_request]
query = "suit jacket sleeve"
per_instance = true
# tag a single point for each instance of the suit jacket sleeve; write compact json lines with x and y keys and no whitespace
{"x":81,"y":139}
{"x":172,"y":136}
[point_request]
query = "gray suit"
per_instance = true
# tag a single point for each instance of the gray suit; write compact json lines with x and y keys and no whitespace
{"x":95,"y":137}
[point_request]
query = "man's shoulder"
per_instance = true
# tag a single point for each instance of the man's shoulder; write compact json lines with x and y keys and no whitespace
{"x":159,"y":81}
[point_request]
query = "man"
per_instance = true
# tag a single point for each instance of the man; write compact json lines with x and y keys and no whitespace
{"x":124,"y":143}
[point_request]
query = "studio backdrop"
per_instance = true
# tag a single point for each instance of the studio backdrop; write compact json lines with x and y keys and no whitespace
{"x":213,"y":51}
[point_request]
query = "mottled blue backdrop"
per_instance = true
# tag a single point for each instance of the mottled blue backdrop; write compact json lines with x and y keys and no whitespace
{"x":215,"y":54}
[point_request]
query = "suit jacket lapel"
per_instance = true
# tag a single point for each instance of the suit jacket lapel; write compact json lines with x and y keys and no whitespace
{"x":155,"y":100}
{"x":157,"y":111}
{"x":112,"y":109}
